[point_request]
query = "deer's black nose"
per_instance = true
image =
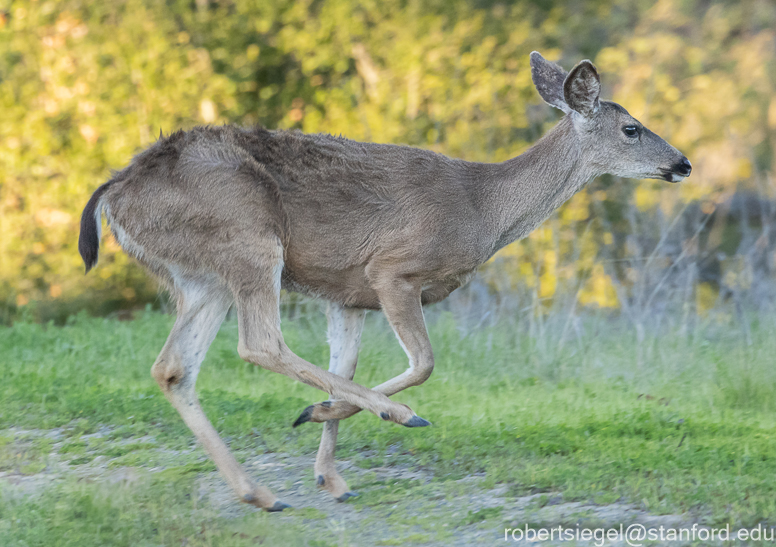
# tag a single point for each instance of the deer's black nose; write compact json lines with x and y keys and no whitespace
{"x":683,"y":168}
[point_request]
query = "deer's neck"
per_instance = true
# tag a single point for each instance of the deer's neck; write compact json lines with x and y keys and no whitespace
{"x":519,"y":194}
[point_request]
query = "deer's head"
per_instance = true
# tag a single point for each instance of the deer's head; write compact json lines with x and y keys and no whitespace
{"x":612,"y":140}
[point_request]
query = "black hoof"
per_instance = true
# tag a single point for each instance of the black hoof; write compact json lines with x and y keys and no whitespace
{"x":279,"y":506}
{"x":321,"y":480}
{"x":416,"y":421}
{"x":305,"y":416}
{"x":346,"y":495}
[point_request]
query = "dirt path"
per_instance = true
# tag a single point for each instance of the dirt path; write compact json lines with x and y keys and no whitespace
{"x":464,"y":512}
{"x":547,"y":509}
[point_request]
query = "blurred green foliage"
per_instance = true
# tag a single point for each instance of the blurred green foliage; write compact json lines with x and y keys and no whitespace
{"x":85,"y":85}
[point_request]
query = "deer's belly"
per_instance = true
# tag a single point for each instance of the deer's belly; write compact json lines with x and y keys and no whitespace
{"x":351,"y":287}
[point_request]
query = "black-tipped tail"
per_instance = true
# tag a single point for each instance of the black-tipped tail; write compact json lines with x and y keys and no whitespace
{"x":89,"y":239}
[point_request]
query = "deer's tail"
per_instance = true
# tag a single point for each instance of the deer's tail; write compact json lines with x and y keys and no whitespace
{"x":91,"y":220}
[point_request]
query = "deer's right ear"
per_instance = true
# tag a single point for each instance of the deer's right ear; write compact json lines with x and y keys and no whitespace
{"x":548,"y":79}
{"x":582,"y":89}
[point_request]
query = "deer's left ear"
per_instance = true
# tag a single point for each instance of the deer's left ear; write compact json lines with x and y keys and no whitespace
{"x":548,"y":79}
{"x":582,"y":88}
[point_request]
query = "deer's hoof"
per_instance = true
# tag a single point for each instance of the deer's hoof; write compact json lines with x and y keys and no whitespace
{"x":305,"y":416}
{"x":279,"y":506}
{"x":346,"y":496}
{"x":416,"y":421}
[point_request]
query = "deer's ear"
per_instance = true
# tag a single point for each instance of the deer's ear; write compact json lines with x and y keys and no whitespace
{"x":548,"y":79}
{"x":582,"y":88}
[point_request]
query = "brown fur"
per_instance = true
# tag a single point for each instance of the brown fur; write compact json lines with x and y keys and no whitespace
{"x":224,"y":213}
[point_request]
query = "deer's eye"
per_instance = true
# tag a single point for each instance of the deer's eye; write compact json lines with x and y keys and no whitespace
{"x":631,"y":131}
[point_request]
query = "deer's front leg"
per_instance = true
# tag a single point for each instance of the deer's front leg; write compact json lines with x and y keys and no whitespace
{"x":400,"y":301}
{"x":345,"y":326}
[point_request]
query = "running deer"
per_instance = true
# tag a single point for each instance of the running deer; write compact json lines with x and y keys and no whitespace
{"x":225,"y":214}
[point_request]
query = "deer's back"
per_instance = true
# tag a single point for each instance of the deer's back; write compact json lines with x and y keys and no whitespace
{"x":337,"y":205}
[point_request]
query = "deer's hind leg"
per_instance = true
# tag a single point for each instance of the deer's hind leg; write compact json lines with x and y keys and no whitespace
{"x":344,"y":334}
{"x":254,"y":278}
{"x":202,"y":305}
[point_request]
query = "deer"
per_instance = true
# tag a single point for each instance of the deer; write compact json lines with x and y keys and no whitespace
{"x":228,"y":216}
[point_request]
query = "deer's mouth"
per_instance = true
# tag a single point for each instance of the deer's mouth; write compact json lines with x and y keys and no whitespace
{"x":670,"y":176}
{"x":677,"y":172}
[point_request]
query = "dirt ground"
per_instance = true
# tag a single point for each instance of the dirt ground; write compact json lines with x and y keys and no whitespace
{"x":291,"y":478}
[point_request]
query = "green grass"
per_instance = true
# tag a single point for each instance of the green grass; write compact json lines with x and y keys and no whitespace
{"x":674,"y":424}
{"x":154,"y":512}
